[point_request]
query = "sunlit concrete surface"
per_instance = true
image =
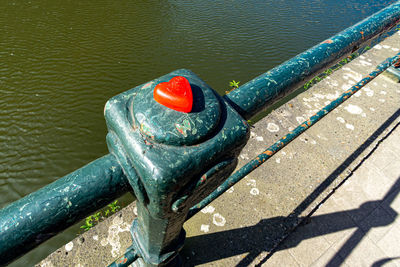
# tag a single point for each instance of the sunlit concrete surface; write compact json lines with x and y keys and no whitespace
{"x":359,"y":224}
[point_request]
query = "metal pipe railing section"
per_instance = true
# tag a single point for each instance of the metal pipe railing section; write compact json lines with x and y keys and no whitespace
{"x":131,"y":254}
{"x":259,"y":93}
{"x":28,"y":222}
{"x":281,"y":143}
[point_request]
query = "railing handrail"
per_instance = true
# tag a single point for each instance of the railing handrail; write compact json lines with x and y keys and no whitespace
{"x":264,"y":90}
{"x":31,"y":220}
{"x":285,"y":140}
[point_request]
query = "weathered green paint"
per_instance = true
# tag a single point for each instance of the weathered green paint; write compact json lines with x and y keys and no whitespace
{"x":124,"y":261}
{"x":35,"y":218}
{"x":269,"y":87}
{"x":278,"y":145}
{"x":167,"y":126}
{"x":168,"y":159}
{"x":178,"y":205}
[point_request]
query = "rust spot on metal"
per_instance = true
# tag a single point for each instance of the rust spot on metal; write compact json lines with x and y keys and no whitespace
{"x":329,"y":41}
{"x":123,"y":260}
{"x":397,"y":63}
{"x":268,"y":152}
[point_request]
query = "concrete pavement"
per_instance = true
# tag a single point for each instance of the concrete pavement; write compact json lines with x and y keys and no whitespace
{"x":359,"y":224}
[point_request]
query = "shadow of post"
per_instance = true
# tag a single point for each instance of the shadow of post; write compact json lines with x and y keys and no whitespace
{"x":268,"y":233}
{"x":358,"y":235}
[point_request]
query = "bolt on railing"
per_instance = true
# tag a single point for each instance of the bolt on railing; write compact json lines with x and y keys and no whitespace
{"x":174,"y":141}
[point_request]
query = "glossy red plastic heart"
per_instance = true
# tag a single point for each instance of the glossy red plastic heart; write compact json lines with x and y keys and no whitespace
{"x":175,"y":94}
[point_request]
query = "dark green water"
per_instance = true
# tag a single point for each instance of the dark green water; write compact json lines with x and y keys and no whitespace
{"x":61,"y":60}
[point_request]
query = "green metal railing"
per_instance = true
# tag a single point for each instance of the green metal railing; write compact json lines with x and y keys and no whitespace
{"x":35,"y":218}
{"x":281,"y":143}
{"x":131,"y":255}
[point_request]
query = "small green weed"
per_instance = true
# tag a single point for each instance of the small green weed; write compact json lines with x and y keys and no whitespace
{"x":234,"y":84}
{"x":97,"y":217}
{"x":329,"y":71}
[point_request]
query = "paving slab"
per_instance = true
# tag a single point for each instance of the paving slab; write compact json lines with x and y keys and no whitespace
{"x":288,"y":190}
{"x":99,"y":246}
{"x":370,"y":240}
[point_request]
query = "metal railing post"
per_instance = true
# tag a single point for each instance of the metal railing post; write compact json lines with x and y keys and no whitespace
{"x":172,"y":159}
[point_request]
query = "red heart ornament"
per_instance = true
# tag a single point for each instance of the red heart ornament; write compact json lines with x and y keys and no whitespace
{"x":175,"y":94}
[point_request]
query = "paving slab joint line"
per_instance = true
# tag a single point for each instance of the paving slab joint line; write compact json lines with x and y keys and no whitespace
{"x":349,"y":172}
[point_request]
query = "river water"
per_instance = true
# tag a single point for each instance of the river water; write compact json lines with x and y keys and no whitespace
{"x":60,"y":61}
